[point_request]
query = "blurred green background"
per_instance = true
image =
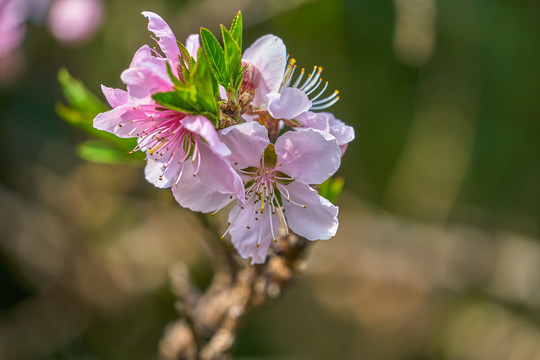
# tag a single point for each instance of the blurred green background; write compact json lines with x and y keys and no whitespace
{"x":438,"y":252}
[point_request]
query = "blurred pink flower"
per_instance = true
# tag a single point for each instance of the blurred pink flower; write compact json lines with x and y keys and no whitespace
{"x":12,"y":25}
{"x":75,"y":21}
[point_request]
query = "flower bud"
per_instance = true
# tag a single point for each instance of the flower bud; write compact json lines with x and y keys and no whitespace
{"x":251,"y":79}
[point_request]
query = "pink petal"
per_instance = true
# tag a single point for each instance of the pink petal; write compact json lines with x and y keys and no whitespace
{"x":161,"y":177}
{"x":269,"y":55}
{"x":147,"y":75}
{"x":143,"y":53}
{"x":118,"y":121}
{"x":343,"y":133}
{"x":288,"y":104}
{"x":247,"y":143}
{"x":318,"y":220}
{"x":245,"y":240}
{"x":204,"y":127}
{"x":308,"y":155}
{"x":197,"y":196}
{"x":167,"y":40}
{"x":115,"y":97}
{"x":310,"y":119}
{"x":217,"y":173}
{"x":327,"y":122}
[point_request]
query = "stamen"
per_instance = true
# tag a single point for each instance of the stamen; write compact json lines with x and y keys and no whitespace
{"x":331,"y":100}
{"x":314,"y":88}
{"x":313,"y":81}
{"x":297,"y":82}
{"x":309,"y":86}
{"x":322,"y":91}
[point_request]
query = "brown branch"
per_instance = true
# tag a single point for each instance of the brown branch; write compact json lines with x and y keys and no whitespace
{"x":209,"y":321}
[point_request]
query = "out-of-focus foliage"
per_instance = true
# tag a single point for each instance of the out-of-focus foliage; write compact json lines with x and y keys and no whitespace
{"x":109,"y":149}
{"x":437,"y":256}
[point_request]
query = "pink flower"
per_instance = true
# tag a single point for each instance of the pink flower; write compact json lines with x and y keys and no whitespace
{"x":183,"y":151}
{"x":12,"y":25}
{"x":278,"y":191}
{"x":328,"y":123}
{"x":75,"y":21}
{"x":274,"y":92}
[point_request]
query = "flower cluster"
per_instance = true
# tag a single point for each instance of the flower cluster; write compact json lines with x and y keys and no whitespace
{"x":218,"y":125}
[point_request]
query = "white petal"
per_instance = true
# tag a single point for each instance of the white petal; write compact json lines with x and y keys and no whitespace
{"x":245,"y":240}
{"x":288,"y":104}
{"x":343,"y":133}
{"x":269,"y":55}
{"x":318,"y":220}
{"x":192,"y":45}
{"x":308,"y":155}
{"x":310,"y":119}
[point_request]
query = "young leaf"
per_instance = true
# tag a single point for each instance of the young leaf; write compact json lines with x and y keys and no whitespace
{"x":236,"y":29}
{"x":233,"y":57}
{"x":101,"y":152}
{"x":331,"y":188}
{"x":215,"y":56}
{"x":184,"y":52}
{"x":182,"y":100}
{"x":206,"y":86}
{"x":77,"y":95}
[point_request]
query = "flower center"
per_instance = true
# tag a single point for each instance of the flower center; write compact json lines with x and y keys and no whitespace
{"x":265,"y":191}
{"x":165,"y":139}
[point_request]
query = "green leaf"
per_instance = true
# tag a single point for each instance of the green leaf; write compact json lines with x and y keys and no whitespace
{"x":233,"y":58}
{"x":84,"y":108}
{"x":206,"y":87}
{"x":101,"y":152}
{"x":331,"y":188}
{"x":236,"y":29}
{"x":215,"y":56}
{"x":183,"y":100}
{"x":78,"y":96}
